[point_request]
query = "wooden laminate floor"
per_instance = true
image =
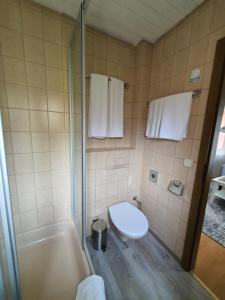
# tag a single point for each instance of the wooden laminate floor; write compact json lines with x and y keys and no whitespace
{"x":143,"y":269}
{"x":210,"y":265}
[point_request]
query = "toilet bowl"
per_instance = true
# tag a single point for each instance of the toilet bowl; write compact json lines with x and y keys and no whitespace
{"x":128,"y":221}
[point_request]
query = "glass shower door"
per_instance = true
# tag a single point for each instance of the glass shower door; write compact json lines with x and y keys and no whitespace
{"x":77,"y":124}
{"x":9,"y":275}
{"x":8,"y":283}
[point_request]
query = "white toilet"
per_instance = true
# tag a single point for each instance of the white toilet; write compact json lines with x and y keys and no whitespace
{"x":128,"y":221}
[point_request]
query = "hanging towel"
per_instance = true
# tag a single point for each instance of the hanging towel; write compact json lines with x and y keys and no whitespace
{"x":115,"y":113}
{"x":91,"y":288}
{"x":155,"y":111}
{"x":98,"y":109}
{"x":175,"y":118}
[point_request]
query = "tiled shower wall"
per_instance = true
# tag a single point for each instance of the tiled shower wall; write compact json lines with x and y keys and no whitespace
{"x":34,"y":101}
{"x":191,"y":44}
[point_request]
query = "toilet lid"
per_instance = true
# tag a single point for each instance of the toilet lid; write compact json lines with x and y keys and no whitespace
{"x":129,"y":220}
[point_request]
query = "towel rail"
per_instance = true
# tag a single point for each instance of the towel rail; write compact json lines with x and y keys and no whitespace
{"x":195,"y":94}
{"x":126,"y":85}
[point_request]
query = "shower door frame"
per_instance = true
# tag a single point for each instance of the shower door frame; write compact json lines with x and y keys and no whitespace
{"x":214,"y":108}
{"x":8,"y":226}
{"x":83,"y":97}
{"x":81,"y":16}
{"x":83,"y":10}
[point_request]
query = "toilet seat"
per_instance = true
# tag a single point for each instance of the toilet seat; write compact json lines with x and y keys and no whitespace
{"x":129,"y":220}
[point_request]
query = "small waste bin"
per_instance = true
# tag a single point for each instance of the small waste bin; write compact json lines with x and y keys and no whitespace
{"x":99,"y":234}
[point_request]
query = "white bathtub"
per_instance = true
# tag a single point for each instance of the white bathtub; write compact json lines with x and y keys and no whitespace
{"x":51,"y":262}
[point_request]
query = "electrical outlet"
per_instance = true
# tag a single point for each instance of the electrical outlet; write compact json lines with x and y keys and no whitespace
{"x":153,"y":176}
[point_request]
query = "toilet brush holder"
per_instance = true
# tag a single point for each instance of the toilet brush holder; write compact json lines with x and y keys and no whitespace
{"x":99,"y":234}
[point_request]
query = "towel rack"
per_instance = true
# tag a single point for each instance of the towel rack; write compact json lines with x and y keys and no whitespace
{"x":195,"y":94}
{"x":126,"y":85}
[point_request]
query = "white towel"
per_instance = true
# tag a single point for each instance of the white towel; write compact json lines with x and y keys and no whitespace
{"x":98,"y":108}
{"x":116,"y":103}
{"x":155,"y":111}
{"x":91,"y":288}
{"x":175,"y":118}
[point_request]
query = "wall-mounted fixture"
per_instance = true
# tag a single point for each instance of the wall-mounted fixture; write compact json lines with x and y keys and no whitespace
{"x":196,"y":93}
{"x":176,"y":187}
{"x":126,"y":84}
{"x":135,"y":198}
{"x":195,"y":75}
{"x":153,"y":176}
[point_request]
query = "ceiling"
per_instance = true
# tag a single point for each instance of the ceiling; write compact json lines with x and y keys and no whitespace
{"x":129,"y":20}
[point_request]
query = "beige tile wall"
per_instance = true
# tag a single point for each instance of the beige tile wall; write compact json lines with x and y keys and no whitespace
{"x":141,"y":91}
{"x":34,"y":102}
{"x":113,"y":167}
{"x":191,"y":44}
{"x":112,"y":176}
{"x":76,"y":119}
{"x":112,"y":57}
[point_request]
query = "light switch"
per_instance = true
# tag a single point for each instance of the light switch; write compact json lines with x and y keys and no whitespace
{"x":188,"y":162}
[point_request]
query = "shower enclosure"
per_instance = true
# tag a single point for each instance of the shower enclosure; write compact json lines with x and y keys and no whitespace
{"x":9,"y":275}
{"x":10,"y":268}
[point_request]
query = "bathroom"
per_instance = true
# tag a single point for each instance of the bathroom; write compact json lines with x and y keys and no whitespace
{"x":56,"y":178}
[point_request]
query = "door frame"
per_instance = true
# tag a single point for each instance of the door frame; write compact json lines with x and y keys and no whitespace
{"x":211,"y":126}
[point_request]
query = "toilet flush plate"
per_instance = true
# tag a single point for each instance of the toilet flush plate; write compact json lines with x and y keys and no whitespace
{"x":153,"y":176}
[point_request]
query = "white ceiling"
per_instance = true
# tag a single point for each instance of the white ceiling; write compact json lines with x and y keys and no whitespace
{"x":129,"y":20}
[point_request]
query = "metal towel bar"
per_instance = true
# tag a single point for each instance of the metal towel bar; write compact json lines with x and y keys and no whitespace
{"x":195,"y":94}
{"x":126,"y":85}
